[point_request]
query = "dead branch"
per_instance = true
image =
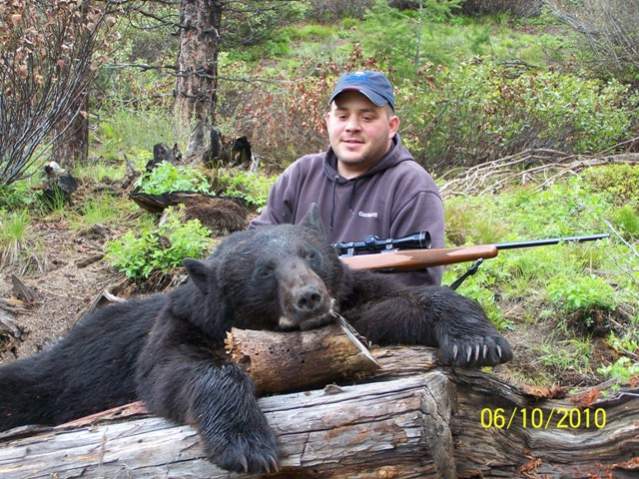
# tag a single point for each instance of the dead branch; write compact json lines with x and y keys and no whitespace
{"x":541,"y":167}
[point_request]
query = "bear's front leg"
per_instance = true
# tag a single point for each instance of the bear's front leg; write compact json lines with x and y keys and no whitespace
{"x":187,"y":387}
{"x":430,"y":316}
{"x":235,"y":432}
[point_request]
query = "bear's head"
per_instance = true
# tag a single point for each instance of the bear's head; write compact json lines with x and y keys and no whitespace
{"x":273,"y":277}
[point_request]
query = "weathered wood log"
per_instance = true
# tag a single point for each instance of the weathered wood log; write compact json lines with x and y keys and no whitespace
{"x":364,"y":431}
{"x":543,"y":437}
{"x":394,"y":429}
{"x":279,"y":362}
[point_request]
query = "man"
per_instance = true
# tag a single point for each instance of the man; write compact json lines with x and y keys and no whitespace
{"x":367,"y":182}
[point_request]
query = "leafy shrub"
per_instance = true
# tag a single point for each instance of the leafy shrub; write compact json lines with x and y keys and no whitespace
{"x":16,"y":195}
{"x":620,"y":182}
{"x":476,"y":112}
{"x":621,"y":370}
{"x":251,"y":187}
{"x":581,"y":293}
{"x":158,"y":250}
{"x":166,"y":177}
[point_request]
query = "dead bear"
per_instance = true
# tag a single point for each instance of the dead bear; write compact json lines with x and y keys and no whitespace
{"x":167,"y":349}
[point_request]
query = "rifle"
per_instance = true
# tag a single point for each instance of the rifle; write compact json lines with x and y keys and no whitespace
{"x":413,"y":252}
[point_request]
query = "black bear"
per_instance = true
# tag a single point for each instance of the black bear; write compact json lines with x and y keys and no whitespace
{"x":168,"y":349}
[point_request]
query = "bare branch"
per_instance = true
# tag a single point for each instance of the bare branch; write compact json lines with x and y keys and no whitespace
{"x":45,"y":66}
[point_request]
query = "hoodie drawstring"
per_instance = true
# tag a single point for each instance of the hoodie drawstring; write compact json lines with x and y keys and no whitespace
{"x":352,"y":198}
{"x":334,"y":201}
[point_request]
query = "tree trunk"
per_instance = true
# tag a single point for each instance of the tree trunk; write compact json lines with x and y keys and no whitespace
{"x":71,"y":146}
{"x":196,"y":84}
{"x":71,"y":133}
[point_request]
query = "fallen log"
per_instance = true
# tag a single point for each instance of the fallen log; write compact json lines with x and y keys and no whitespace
{"x":394,"y":426}
{"x":395,"y":429}
{"x":279,"y":362}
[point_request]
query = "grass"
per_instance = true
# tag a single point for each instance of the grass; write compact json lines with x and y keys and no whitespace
{"x":104,"y":209}
{"x":439,"y":43}
{"x":20,"y":248}
{"x":566,"y":286}
{"x":99,"y":172}
{"x":132,"y":133}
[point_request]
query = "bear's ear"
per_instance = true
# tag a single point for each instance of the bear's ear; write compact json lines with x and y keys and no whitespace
{"x":202,"y":274}
{"x":313,"y":221}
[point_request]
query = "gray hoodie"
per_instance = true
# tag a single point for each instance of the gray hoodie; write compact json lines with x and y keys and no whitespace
{"x":394,"y":198}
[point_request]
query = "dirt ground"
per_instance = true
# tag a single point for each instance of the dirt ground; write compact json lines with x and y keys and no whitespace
{"x":63,"y":292}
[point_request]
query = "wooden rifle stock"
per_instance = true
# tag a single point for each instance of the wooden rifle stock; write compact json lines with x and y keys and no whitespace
{"x":410,"y":259}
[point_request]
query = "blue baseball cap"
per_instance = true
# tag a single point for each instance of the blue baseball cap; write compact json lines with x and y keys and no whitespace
{"x":373,"y":85}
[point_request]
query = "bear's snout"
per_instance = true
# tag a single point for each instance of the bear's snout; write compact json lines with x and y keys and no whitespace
{"x":304,"y":300}
{"x":308,"y":299}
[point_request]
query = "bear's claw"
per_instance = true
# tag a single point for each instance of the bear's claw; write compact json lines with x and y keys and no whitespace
{"x":476,"y":351}
{"x":254,"y":452}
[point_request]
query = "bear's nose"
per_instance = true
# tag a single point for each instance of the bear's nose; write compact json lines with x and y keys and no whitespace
{"x":309,"y":299}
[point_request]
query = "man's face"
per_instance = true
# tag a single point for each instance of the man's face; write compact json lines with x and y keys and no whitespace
{"x":360,"y":132}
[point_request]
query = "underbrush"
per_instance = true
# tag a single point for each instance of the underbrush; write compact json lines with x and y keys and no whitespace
{"x":122,"y":132}
{"x":462,"y":115}
{"x":580,"y":292}
{"x":167,"y":177}
{"x":161,"y":248}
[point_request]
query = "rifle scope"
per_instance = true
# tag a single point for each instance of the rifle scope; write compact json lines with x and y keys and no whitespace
{"x":375,"y":244}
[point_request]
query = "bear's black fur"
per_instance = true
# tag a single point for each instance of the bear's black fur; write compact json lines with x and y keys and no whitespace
{"x":168,"y":349}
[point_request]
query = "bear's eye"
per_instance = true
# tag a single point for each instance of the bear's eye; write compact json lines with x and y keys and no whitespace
{"x":264,"y":270}
{"x":311,"y":256}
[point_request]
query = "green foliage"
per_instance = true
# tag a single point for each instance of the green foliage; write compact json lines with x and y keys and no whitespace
{"x":103,"y":209}
{"x":481,"y":110}
{"x":581,"y":293}
{"x":15,"y":228}
{"x":482,"y":292}
{"x":137,"y":256}
{"x":562,"y":284}
{"x":627,"y":220}
{"x":621,"y":370}
{"x":628,"y":343}
{"x":166,"y":177}
{"x":98,"y":172}
{"x":133,"y":133}
{"x":257,"y":22}
{"x":252,"y":187}
{"x":620,"y":182}
{"x":572,"y":355}
{"x":17,"y":195}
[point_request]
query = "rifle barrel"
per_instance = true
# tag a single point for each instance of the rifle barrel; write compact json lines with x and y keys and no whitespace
{"x":548,"y":241}
{"x":411,"y":259}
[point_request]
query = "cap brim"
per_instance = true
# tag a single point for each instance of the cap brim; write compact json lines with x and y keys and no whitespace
{"x":377,"y":99}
